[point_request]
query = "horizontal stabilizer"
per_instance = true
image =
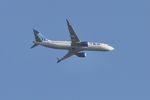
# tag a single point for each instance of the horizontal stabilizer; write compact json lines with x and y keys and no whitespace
{"x":34,"y":45}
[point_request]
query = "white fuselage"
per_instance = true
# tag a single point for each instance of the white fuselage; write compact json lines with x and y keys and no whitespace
{"x":66,"y":45}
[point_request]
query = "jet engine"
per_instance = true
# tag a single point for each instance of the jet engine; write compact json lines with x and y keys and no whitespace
{"x":84,"y":44}
{"x":81,"y":54}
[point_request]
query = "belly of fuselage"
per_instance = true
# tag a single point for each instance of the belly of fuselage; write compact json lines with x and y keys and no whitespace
{"x":58,"y":45}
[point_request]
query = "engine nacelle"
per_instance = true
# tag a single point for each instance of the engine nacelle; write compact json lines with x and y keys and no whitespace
{"x":81,"y":54}
{"x":84,"y":44}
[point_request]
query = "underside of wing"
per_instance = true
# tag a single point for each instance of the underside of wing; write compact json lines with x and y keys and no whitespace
{"x":73,"y":36}
{"x":69,"y":54}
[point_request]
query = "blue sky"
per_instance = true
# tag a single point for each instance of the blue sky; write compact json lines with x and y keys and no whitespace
{"x":122,"y":74}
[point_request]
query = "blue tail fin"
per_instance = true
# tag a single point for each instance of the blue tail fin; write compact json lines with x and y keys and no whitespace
{"x":38,"y":36}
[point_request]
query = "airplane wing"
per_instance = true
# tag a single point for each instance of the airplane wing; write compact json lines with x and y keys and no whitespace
{"x":69,"y":54}
{"x":74,"y":41}
{"x":74,"y":37}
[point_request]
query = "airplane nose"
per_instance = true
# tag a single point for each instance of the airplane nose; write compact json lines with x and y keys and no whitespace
{"x":107,"y":47}
{"x":111,"y":48}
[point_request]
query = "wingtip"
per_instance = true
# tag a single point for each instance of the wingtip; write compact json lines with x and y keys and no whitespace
{"x":67,"y":21}
{"x":58,"y":60}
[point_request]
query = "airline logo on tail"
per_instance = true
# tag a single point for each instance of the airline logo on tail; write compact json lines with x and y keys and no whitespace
{"x":38,"y":36}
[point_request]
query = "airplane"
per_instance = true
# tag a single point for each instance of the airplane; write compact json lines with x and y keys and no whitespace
{"x":74,"y":47}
